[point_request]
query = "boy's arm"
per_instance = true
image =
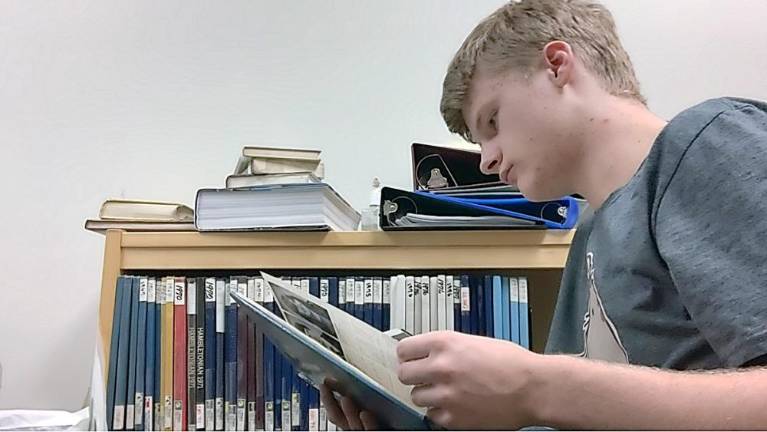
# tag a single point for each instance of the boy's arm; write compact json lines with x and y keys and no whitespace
{"x":585,"y":394}
{"x":471,"y":382}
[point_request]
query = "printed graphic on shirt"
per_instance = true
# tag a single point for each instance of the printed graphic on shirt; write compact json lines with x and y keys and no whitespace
{"x":600,"y":337}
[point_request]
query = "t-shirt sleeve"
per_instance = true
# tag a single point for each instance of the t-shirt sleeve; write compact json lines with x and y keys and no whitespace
{"x":711,"y":230}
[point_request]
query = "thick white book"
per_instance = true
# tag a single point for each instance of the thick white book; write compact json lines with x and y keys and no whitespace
{"x":442,"y":303}
{"x":398,"y":302}
{"x":425,"y":304}
{"x":417,"y":308}
{"x":449,"y":303}
{"x":434,"y":303}
{"x":410,"y":304}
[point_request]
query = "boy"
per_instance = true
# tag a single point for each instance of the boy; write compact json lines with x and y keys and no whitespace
{"x":667,"y":276}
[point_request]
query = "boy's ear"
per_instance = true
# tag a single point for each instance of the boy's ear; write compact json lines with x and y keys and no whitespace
{"x":558,"y":61}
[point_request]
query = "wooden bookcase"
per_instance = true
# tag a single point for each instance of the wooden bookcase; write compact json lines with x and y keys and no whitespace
{"x":540,"y":255}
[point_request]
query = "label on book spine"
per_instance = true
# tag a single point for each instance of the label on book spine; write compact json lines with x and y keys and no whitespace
{"x":251,"y":416}
{"x":465,"y":299}
{"x":151,"y":291}
{"x":269,"y":416}
{"x":178,"y":415}
{"x":119,"y":417}
{"x":139,"y":419}
{"x":219,"y":413}
{"x":230,"y":414}
{"x":200,"y":416}
{"x":142,"y":290}
{"x":148,"y":413}
{"x":323,"y":417}
{"x":130,"y":416}
{"x":514,"y":291}
{"x":523,"y":289}
{"x":457,"y":290}
{"x":210,"y":415}
{"x":241,"y":414}
{"x":325,"y":290}
{"x":179,"y":298}
{"x":295,"y":413}
{"x":286,"y":414}
{"x":259,"y":290}
{"x":314,"y":419}
{"x":168,"y":421}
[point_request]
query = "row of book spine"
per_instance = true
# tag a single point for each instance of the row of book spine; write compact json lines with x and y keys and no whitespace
{"x":182,"y":356}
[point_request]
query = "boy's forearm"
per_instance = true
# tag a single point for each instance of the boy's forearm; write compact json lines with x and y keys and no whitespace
{"x":575,"y":393}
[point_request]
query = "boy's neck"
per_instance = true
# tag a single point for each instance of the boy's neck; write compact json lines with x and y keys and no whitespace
{"x":615,"y":144}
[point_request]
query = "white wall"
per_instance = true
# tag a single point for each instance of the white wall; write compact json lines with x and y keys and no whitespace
{"x":153,"y":100}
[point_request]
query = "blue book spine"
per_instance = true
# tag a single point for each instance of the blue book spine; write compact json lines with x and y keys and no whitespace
{"x":488,"y":306}
{"x":151,"y":348}
{"x":220,"y":345}
{"x":141,"y":355}
{"x":333,"y":291}
{"x":368,"y":306}
{"x":303,"y":423}
{"x":230,"y":361}
{"x":386,"y":307}
{"x":297,"y":399}
{"x":160,"y":297}
{"x":497,"y":306}
{"x":377,"y":319}
{"x":268,"y":370}
{"x":130,"y":410}
{"x":524,"y":314}
{"x":210,"y":354}
{"x":314,"y":286}
{"x":506,"y":321}
{"x":114,"y":344}
{"x":480,"y":295}
{"x":123,"y":356}
{"x":351,"y":297}
{"x":514,"y":309}
{"x":277,"y":390}
{"x":465,"y":305}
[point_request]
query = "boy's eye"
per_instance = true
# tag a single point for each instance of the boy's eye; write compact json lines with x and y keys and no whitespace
{"x":493,"y":122}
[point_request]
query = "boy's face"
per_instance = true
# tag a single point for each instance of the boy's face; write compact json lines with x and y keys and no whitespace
{"x":528,"y":130}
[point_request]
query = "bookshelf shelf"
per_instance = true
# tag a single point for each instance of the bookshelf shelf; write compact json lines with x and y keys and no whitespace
{"x":538,"y":254}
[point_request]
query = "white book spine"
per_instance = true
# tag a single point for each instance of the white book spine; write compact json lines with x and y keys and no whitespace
{"x":296,"y":282}
{"x":425,"y":304}
{"x":413,"y":311}
{"x":252,"y":288}
{"x":387,"y":297}
{"x":191,"y":304}
{"x":259,"y":286}
{"x":449,"y":311}
{"x":368,"y":298}
{"x":442,"y":306}
{"x":351,"y":291}
{"x":433,"y":304}
{"x":359,"y":293}
{"x":220,"y":305}
{"x":325,"y":290}
{"x":314,"y":420}
{"x":305,"y":286}
{"x":341,"y":293}
{"x":377,"y":296}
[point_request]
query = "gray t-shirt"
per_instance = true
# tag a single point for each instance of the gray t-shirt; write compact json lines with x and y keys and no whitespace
{"x":670,"y":271}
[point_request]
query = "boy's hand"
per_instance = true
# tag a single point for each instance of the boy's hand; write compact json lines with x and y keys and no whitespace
{"x":345,"y":413}
{"x":470,"y":382}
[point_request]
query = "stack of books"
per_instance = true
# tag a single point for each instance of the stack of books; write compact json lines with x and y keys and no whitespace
{"x":271,"y":165}
{"x":275,"y":189}
{"x":137,"y":215}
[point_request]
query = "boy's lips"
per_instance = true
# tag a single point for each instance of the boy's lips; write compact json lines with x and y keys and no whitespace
{"x":506,"y":176}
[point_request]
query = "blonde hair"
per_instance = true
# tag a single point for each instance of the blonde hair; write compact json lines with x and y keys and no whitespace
{"x":513,"y":37}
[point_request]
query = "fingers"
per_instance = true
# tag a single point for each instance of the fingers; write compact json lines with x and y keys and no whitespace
{"x":426,"y":396}
{"x":369,"y":421}
{"x":441,"y":417}
{"x":417,"y":372}
{"x":333,"y":409}
{"x":352,"y":414}
{"x":414,"y":347}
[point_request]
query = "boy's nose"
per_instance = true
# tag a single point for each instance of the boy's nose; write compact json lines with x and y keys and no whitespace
{"x":491,"y":161}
